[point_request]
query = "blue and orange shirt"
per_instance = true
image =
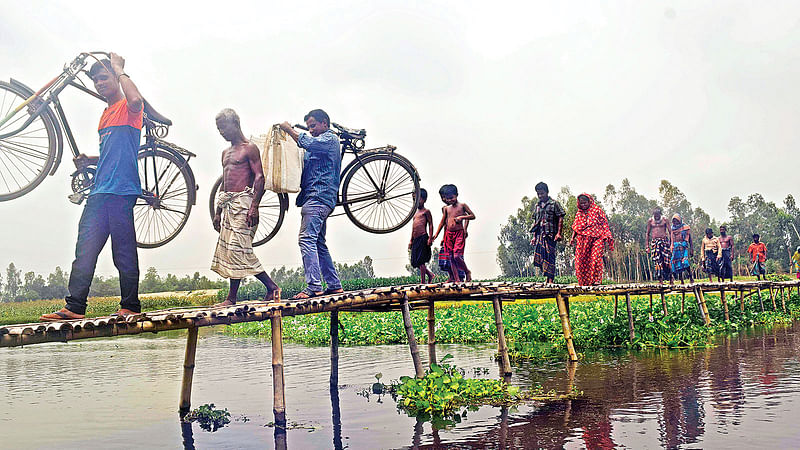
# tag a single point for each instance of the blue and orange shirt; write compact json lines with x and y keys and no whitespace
{"x":120,"y":133}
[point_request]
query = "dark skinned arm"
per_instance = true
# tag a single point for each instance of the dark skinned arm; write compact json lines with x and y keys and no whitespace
{"x":218,"y":211}
{"x":469,"y":216}
{"x":558,"y":236}
{"x":135,"y":101}
{"x":429,"y":221}
{"x":254,"y":160}
{"x":441,"y":224}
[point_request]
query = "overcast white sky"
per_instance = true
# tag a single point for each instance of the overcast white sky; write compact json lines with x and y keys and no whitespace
{"x":490,"y":96}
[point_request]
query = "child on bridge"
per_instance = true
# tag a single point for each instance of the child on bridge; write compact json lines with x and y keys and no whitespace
{"x":453,"y":216}
{"x":236,"y":217}
{"x":420,"y":244}
{"x":758,"y":255}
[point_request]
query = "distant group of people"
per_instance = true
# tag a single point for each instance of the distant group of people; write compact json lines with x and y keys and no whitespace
{"x":668,"y":242}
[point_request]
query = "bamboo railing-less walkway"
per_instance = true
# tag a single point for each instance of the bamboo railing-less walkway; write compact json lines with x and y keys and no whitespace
{"x":402,"y":298}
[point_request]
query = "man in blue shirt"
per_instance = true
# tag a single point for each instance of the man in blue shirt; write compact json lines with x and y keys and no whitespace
{"x":109,"y":209}
{"x":319,"y":191}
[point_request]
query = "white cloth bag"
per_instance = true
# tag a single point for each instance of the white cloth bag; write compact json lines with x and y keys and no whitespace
{"x":281,"y":159}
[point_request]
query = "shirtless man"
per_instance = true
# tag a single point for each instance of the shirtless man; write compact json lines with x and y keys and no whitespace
{"x":453,"y":216}
{"x":420,"y":243}
{"x":726,"y":263}
{"x":236,"y":216}
{"x":657,"y":236}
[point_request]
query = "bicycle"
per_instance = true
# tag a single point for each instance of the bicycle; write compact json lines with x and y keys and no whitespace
{"x":33,"y":128}
{"x":379,"y":189}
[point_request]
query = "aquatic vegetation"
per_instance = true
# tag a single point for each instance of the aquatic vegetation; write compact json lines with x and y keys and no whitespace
{"x":444,"y":389}
{"x":209,"y":417}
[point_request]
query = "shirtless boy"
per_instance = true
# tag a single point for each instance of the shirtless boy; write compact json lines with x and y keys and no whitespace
{"x":726,"y":263}
{"x":711,"y":254}
{"x":453,"y":216}
{"x":658,"y":243}
{"x":420,"y":243}
{"x":236,"y":216}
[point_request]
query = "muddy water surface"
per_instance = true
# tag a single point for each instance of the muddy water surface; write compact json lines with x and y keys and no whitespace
{"x":123,"y":392}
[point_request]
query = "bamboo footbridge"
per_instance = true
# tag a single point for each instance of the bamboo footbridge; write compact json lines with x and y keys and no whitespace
{"x":395,"y":298}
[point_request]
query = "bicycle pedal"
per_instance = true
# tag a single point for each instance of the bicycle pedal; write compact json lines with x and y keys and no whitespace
{"x":76,"y":197}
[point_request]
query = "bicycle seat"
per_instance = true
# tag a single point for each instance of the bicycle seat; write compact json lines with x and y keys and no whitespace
{"x":153,"y":115}
{"x":350,"y":132}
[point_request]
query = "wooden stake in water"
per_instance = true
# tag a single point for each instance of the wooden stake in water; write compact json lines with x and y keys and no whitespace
{"x":783,"y":300}
{"x":760,"y":300}
{"x":701,"y":303}
{"x":772,"y":298}
{"x":616,"y":300}
{"x":561,"y":303}
{"x":664,"y":302}
{"x":278,"y":399}
{"x":431,"y":333}
{"x":683,"y":300}
{"x":412,"y":341}
{"x":188,"y":370}
{"x":650,"y":312}
{"x":724,"y":305}
{"x":502,"y":345}
{"x":741,"y":301}
{"x":334,"y":381}
{"x":631,"y":332}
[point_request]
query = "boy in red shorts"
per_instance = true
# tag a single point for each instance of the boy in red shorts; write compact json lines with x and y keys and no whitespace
{"x":453,"y":216}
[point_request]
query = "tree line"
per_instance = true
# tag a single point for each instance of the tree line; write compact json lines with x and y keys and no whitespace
{"x":628,"y":211}
{"x":17,"y":286}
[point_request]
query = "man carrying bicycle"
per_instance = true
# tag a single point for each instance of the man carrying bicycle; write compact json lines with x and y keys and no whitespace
{"x":109,"y":209}
{"x":319,"y":190}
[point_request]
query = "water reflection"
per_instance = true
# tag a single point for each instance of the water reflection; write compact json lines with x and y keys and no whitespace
{"x":744,"y":392}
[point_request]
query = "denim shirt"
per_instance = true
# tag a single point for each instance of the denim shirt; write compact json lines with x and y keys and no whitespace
{"x":321,"y":166}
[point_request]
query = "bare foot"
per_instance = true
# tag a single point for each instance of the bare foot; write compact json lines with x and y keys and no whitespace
{"x":227,"y":302}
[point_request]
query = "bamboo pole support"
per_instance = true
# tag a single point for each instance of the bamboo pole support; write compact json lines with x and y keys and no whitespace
{"x":278,"y":399}
{"x":566,"y":327}
{"x":760,"y":300}
{"x":783,"y":300}
{"x":502,"y":346}
{"x":412,"y":341}
{"x":701,"y":302}
{"x":664,"y":302}
{"x":632,"y":333}
{"x":724,"y":305}
{"x":772,"y":298}
{"x":651,"y":307}
{"x":741,"y":301}
{"x":616,"y":301}
{"x":188,"y":370}
{"x":683,"y":300}
{"x":431,"y":334}
{"x":334,"y":381}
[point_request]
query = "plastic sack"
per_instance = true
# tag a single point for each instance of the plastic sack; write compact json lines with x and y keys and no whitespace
{"x":281,"y":159}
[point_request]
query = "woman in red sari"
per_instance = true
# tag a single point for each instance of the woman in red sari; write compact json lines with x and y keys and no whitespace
{"x":590,"y":232}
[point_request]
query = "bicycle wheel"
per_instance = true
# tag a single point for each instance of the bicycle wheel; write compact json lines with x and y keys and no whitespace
{"x":380,"y":194}
{"x":271,"y":211}
{"x":27,"y":156}
{"x":163,"y":208}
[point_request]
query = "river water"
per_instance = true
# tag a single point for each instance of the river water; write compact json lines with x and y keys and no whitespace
{"x":123,"y":392}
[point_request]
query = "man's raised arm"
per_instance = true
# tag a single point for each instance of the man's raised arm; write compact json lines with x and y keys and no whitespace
{"x":135,"y":101}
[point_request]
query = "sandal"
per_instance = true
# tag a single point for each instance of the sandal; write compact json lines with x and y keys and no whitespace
{"x":306,"y":294}
{"x":62,"y":314}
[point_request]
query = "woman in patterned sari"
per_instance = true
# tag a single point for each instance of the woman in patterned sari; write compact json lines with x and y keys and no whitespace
{"x":590,"y":233}
{"x":682,"y":249}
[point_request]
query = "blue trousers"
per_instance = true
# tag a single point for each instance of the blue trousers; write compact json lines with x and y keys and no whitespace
{"x":317,"y":261}
{"x":105,"y":215}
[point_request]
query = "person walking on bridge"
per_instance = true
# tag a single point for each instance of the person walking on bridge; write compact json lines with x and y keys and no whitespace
{"x":591,"y":235}
{"x":319,"y":191}
{"x":236,"y":215}
{"x":548,"y":221}
{"x":109,"y":208}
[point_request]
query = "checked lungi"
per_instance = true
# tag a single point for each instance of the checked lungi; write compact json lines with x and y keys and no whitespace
{"x":234,"y":257}
{"x":544,"y":255}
